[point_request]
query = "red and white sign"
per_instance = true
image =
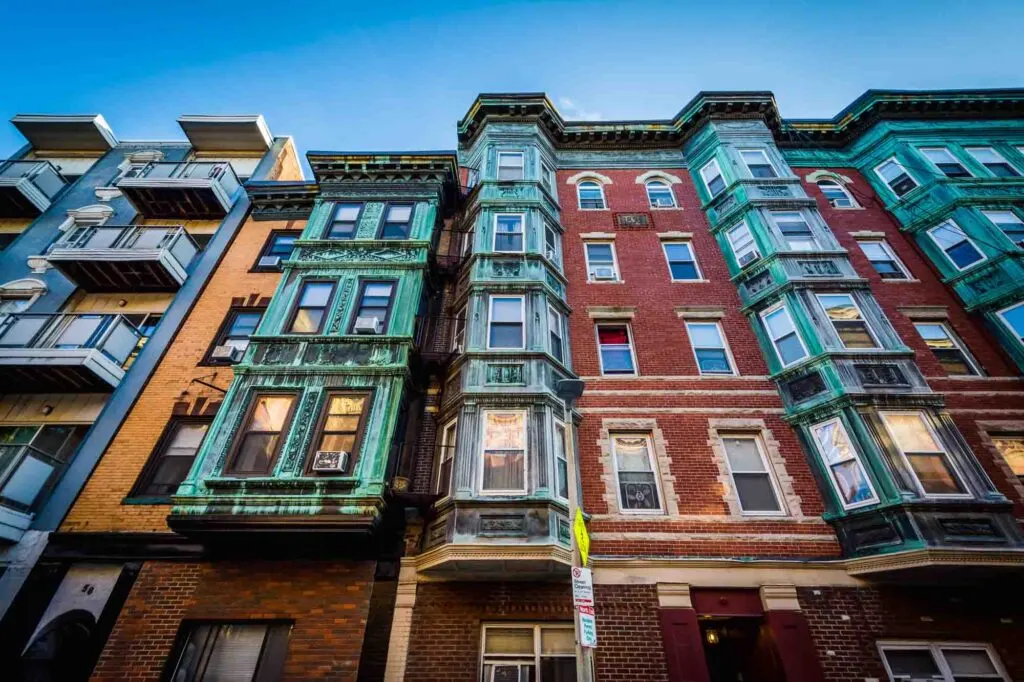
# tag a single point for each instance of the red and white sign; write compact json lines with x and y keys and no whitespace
{"x":582,"y":587}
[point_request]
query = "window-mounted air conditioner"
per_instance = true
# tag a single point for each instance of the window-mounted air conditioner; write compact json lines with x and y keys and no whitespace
{"x":604,"y":273}
{"x":270,"y":261}
{"x":368,"y":325}
{"x":330,"y":461}
{"x":748,"y":258}
{"x":227,"y":353}
{"x":509,"y":672}
{"x":551,"y":255}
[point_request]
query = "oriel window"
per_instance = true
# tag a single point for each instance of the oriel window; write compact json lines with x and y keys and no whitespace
{"x":397,"y":222}
{"x":311,"y":308}
{"x":260,"y":440}
{"x":344,"y":221}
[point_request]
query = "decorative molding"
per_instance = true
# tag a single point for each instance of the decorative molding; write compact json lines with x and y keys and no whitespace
{"x":700,"y":312}
{"x":925,"y":312}
{"x":927,"y":557}
{"x":588,"y":175}
{"x":107,"y":193}
{"x":779,"y":598}
{"x":662,"y":462}
{"x":867,"y":234}
{"x":814,"y":176}
{"x":456,"y":554}
{"x":657,"y":175}
{"x":38,"y":264}
{"x":597,"y":235}
{"x":675,"y":235}
{"x":95,"y":214}
{"x":674,"y":596}
{"x":143,"y":156}
{"x":611,"y":312}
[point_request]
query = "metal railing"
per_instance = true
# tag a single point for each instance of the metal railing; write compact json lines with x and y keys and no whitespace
{"x":217,"y":170}
{"x":171,"y":237}
{"x":25,"y":472}
{"x":42,"y":174}
{"x":112,"y":335}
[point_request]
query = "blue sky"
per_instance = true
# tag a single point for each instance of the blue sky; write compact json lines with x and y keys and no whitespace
{"x":398,"y":75}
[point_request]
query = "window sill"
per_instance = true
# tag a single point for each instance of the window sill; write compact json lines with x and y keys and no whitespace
{"x":610,"y":281}
{"x":901,"y":281}
{"x":691,"y":281}
{"x":666,"y":208}
{"x":146,"y":500}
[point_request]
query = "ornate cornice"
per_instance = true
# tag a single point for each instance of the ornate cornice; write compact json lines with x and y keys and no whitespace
{"x":273,"y":200}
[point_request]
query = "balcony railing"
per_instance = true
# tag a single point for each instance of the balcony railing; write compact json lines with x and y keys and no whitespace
{"x":193,"y":190}
{"x":28,"y":187}
{"x":25,"y":473}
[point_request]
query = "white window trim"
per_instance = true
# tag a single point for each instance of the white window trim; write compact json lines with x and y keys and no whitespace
{"x":945,"y":453}
{"x":665,"y":243}
{"x":490,"y":318}
{"x":704,"y":177}
{"x":764,"y":155}
{"x":497,"y":164}
{"x":561,"y":333}
{"x":615,"y":262}
{"x":725,"y":346}
{"x":1019,"y":335}
{"x":938,"y":170}
{"x":769,"y":470}
{"x":997,"y":153}
{"x":854,"y":204}
{"x":526,"y":454}
{"x":988,"y":217}
{"x":600,"y":187}
{"x":732,"y":244}
{"x":454,"y":424}
{"x":782,"y":235}
{"x":984,"y":256}
{"x":860,"y":311}
{"x":952,"y":336}
{"x":632,"y":347}
{"x":892,"y":255}
{"x":885,"y":182}
{"x":554,"y":457}
{"x":521,"y":659}
{"x":463,"y":311}
{"x":671,"y":193}
{"x":494,"y":230}
{"x":555,"y":258}
{"x":934,"y":647}
{"x":652,"y":460}
{"x":856,"y":456}
{"x":768,"y":332}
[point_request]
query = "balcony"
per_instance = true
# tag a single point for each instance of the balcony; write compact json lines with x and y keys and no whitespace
{"x":64,"y":353}
{"x":28,"y":187}
{"x":142,"y":258}
{"x":194,"y":190}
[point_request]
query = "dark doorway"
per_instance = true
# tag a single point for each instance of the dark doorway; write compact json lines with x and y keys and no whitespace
{"x":740,"y":649}
{"x":61,"y":650}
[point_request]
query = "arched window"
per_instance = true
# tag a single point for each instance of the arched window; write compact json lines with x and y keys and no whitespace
{"x":837,"y":195}
{"x":590,"y":194}
{"x":659,"y":194}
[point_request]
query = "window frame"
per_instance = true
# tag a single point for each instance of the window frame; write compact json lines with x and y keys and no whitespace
{"x":159,"y":452}
{"x":935,"y":647}
{"x":1017,"y":334}
{"x":297,"y":305}
{"x":815,"y":243}
{"x":732,"y":244}
{"x":268,"y":244}
{"x":318,"y":431}
{"x":668,"y":188}
{"x":522,"y":320}
{"x":273,"y":652}
{"x":559,"y":424}
{"x":999,"y":226}
{"x":813,"y":429}
{"x":953,"y":469}
{"x":357,"y":303}
{"x":725,"y":347}
{"x":498,"y":166}
{"x":481,"y":491}
{"x":923,"y":151}
{"x":957,"y":342}
{"x":521,"y":233}
{"x":885,"y":182}
{"x":547,"y":179}
{"x":769,"y":471}
{"x":411,"y":205}
{"x":842,"y":188}
{"x":651,"y":460}
{"x":450,"y":426}
{"x":243,"y":430}
{"x":615,"y":261}
{"x":945,"y":252}
{"x":600,"y":188}
{"x":222,"y":334}
{"x":860,"y":311}
{"x":553,"y":251}
{"x":665,"y":243}
{"x":707,"y":183}
{"x":334,"y":213}
{"x":768,"y":162}
{"x":796,"y":330}
{"x":554,"y":313}
{"x":536,"y":627}
{"x":632,"y":346}
{"x":994,"y":437}
{"x":460,"y":315}
{"x":995,"y":152}
{"x":887,"y":247}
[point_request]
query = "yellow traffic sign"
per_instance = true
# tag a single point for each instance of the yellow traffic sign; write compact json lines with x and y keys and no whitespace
{"x":579,"y":528}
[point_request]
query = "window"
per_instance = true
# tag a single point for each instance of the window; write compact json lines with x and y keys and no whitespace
{"x":547,"y":178}
{"x":511,"y":166}
{"x":927,"y":460}
{"x":459,"y":335}
{"x":341,"y":427}
{"x":847,"y":320}
{"x":947,"y":349}
{"x":1010,"y":224}
{"x":508,"y":233}
{"x":506,"y":322}
{"x":682,"y":265}
{"x":172,"y":458}
{"x":947,"y":164}
{"x":239,"y":325}
{"x":958,"y":247}
{"x":590,"y":195}
{"x":993,"y":161}
{"x":709,"y":348}
{"x":895,"y":176}
{"x":504,"y":452}
{"x":758,"y":164}
{"x":1013,"y":318}
{"x":742,"y":243}
{"x":556,"y":334}
{"x":467,"y":242}
{"x":561,"y":462}
{"x":146,"y":323}
{"x":783,"y":335}
{"x":940,"y":662}
{"x":1012,"y":449}
{"x":344,"y":221}
{"x":516,"y":652}
{"x":755,"y":487}
{"x":615,"y":346}
{"x":375,"y":301}
{"x":446,"y":458}
{"x":849,"y":478}
{"x":14,"y":304}
{"x":397,"y":221}
{"x":660,"y":195}
{"x":795,"y":230}
{"x":837,"y":195}
{"x":218,"y":652}
{"x":601,"y":264}
{"x":278,"y":248}
{"x":711,"y":174}
{"x":884,"y":260}
{"x":261,"y":438}
{"x":552,"y":245}
{"x":311,"y":307}
{"x":33,"y":456}
{"x":634,"y":471}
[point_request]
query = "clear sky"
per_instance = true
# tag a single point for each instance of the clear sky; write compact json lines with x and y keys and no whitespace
{"x":398,"y":75}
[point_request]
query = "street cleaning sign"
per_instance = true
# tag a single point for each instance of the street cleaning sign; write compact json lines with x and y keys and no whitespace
{"x":579,"y":528}
{"x":583,"y":600}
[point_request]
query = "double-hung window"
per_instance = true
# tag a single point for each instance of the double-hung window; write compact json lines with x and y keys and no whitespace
{"x":961,"y":251}
{"x":742,"y":243}
{"x":504,"y":452}
{"x":261,"y":437}
{"x":590,"y":195}
{"x":397,"y":222}
{"x":344,"y":221}
{"x":518,"y":652}
{"x":561,"y":462}
{"x":795,"y":230}
{"x":635,"y":473}
{"x":883,"y":259}
{"x":948,"y":349}
{"x":1010,"y":224}
{"x":615,"y":348}
{"x":711,"y":174}
{"x":709,"y":348}
{"x":993,"y":161}
{"x":446,"y":457}
{"x":547,"y":178}
{"x":941,"y":662}
{"x":219,"y":652}
{"x":508,"y":232}
{"x":311,"y":307}
{"x":758,"y":163}
{"x":849,"y":477}
{"x":751,"y":475}
{"x":506,"y":322}
{"x":927,"y":459}
{"x":556,"y":334}
{"x":459,"y":333}
{"x":236,"y":330}
{"x":601,"y":264}
{"x":511,"y":166}
{"x":1013,"y":318}
{"x":552,"y":245}
{"x":947,"y":164}
{"x":895,"y":176}
{"x":848,"y":321}
{"x":278,"y":248}
{"x":837,"y":195}
{"x":659,"y":194}
{"x":172,"y":458}
{"x":682,"y":264}
{"x":373,"y":308}
{"x":784,"y":337}
{"x":340,"y":428}
{"x":1011,"y":447}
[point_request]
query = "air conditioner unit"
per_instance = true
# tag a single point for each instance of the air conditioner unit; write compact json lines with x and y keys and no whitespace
{"x":509,"y":672}
{"x":749,"y":258}
{"x":604,"y":273}
{"x":228,"y":353}
{"x":551,"y":255}
{"x":368,"y":325}
{"x":330,"y":461}
{"x":270,"y":261}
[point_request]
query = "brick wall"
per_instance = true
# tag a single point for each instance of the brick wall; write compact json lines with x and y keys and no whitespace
{"x":628,"y":634}
{"x":328,"y":602}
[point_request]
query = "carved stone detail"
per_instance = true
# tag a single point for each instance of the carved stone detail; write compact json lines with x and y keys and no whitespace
{"x":818,"y":268}
{"x":505,"y":374}
{"x":507,"y":268}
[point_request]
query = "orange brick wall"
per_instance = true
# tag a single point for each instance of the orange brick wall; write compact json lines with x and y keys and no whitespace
{"x":99,"y":507}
